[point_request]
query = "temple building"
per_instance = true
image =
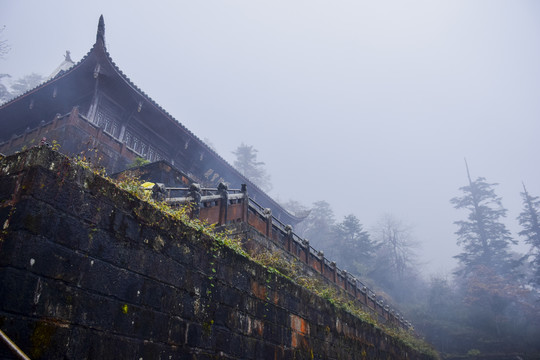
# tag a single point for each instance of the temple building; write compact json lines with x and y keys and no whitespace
{"x":92,"y":108}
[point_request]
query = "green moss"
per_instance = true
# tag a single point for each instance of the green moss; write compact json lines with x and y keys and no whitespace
{"x":207,"y":327}
{"x":138,"y":161}
{"x":91,"y":233}
{"x":41,"y":338}
{"x":275,"y":265}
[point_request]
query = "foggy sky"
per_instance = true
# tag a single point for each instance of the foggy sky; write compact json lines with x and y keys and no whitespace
{"x":371,"y":106}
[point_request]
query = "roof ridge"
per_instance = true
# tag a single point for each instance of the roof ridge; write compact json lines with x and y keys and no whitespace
{"x":189,"y":132}
{"x":100,"y":45}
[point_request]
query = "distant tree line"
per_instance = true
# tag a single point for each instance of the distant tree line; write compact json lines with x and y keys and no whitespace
{"x":385,"y":259}
{"x":493,"y":305}
{"x":11,"y":89}
{"x":490,"y":305}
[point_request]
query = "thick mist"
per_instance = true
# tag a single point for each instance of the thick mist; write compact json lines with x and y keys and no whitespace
{"x":371,"y":107}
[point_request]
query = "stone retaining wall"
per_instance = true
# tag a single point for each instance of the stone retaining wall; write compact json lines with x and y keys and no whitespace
{"x":88,"y":271}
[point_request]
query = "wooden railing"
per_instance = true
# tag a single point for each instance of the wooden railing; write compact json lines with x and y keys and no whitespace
{"x":223,"y":206}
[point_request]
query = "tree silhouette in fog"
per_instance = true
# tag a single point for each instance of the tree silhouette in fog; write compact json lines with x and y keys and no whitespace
{"x":529,"y":219}
{"x":246,"y":162}
{"x":484,"y":239}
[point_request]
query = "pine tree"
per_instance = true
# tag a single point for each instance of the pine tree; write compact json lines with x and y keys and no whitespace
{"x":529,"y":219}
{"x":484,"y":238}
{"x":354,"y":247}
{"x":493,"y":297}
{"x":246,"y":162}
{"x":317,"y":227}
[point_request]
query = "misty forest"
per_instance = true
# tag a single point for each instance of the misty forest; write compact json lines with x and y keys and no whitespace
{"x":488,"y":304}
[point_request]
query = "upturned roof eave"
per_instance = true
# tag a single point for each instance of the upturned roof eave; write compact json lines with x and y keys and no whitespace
{"x":47,"y":82}
{"x":167,"y":115}
{"x":99,"y":52}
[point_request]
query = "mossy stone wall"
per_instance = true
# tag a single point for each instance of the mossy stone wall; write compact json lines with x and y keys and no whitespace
{"x":89,"y":271}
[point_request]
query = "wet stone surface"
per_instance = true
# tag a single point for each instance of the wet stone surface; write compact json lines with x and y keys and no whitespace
{"x":84,"y":275}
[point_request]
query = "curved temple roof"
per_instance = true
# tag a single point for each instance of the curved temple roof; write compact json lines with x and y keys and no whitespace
{"x":100,"y":62}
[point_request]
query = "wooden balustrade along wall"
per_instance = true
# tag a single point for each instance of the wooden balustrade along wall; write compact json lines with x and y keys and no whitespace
{"x":89,"y":271}
{"x":224,"y":211}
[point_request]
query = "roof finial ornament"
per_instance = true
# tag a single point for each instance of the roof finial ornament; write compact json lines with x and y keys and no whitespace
{"x":67,"y":57}
{"x":101,"y":30}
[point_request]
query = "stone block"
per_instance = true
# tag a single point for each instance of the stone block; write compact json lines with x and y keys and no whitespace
{"x":176,"y":331}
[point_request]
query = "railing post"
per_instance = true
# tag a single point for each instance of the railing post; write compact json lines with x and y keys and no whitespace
{"x":74,"y":114}
{"x":364,"y":295}
{"x":289,"y":237}
{"x":380,"y":305}
{"x":195,"y":195}
{"x":26,"y":134}
{"x":268,"y":216}
{"x":245,"y":203}
{"x":158,"y":192}
{"x":305,"y":242}
{"x":55,"y":122}
{"x":320,"y":259}
{"x":224,"y":203}
{"x":40,"y":128}
{"x":334,"y":270}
